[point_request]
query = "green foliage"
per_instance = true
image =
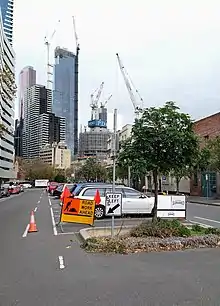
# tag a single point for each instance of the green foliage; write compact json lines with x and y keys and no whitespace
{"x":92,"y":170}
{"x":213,"y":151}
{"x":197,"y":228}
{"x":36,"y":169}
{"x":213,"y":231}
{"x":162,"y":141}
{"x":161,"y":228}
{"x":127,"y":157}
{"x":60,"y":178}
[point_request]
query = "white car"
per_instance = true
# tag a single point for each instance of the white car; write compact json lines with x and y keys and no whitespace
{"x":133,"y":201}
{"x":26,"y":185}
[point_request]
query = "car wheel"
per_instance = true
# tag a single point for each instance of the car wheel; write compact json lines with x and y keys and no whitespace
{"x":99,"y":212}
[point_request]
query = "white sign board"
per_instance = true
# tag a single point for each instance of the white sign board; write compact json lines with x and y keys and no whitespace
{"x":41,"y":183}
{"x":171,"y":206}
{"x":113,"y":204}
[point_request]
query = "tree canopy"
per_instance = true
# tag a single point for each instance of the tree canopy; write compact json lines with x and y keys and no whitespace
{"x":162,"y":140}
{"x":92,"y":170}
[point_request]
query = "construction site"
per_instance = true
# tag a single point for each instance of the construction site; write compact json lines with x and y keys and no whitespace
{"x":93,"y":140}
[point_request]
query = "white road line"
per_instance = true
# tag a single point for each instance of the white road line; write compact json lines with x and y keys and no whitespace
{"x":53,"y":221}
{"x":61,"y":261}
{"x":201,"y":224}
{"x":35,"y":209}
{"x":209,"y":220}
{"x":26,"y":231}
{"x":38,"y":202}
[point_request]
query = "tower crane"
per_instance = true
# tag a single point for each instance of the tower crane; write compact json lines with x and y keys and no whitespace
{"x":129,"y":84}
{"x":94,"y":102}
{"x":76,"y":36}
{"x":103,"y":104}
{"x":47,"y":42}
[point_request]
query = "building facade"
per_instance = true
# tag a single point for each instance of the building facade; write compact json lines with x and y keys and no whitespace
{"x":51,"y":129}
{"x":27,"y":78}
{"x":56,"y":155}
{"x":7,"y":10}
{"x":206,"y":184}
{"x":94,"y":143}
{"x":65,"y":96}
{"x":7,"y":105}
{"x":37,"y":101}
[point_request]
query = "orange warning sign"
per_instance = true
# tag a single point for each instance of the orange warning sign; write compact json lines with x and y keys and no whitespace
{"x":78,"y":211}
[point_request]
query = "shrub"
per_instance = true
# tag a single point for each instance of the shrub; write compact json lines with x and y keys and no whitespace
{"x":161,"y":229}
{"x":211,"y":230}
{"x":197,"y":228}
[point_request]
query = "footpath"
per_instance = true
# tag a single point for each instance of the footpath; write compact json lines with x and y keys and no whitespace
{"x":203,"y":200}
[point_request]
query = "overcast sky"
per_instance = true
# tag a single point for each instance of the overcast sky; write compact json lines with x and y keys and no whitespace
{"x":170,"y":48}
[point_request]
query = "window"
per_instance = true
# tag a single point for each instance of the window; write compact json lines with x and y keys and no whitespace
{"x":90,"y":192}
{"x":131,"y":193}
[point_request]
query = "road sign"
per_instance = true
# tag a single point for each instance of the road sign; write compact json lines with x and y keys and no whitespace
{"x":113,"y":204}
{"x":78,"y":211}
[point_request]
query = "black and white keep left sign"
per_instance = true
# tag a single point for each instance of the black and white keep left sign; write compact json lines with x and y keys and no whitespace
{"x":113,"y":204}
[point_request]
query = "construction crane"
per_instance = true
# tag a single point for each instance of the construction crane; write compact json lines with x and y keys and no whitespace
{"x":76,"y":36}
{"x":47,"y":42}
{"x":103,"y":104}
{"x":129,"y":84}
{"x":94,"y":102}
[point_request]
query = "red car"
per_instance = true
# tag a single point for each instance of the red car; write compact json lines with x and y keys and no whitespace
{"x":51,"y":187}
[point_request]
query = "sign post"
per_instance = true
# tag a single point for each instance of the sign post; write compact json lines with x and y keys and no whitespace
{"x":114,"y":165}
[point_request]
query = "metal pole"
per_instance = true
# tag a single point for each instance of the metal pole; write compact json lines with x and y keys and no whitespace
{"x":114,"y":164}
{"x":129,"y":176}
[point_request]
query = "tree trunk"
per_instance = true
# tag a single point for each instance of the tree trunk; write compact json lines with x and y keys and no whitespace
{"x":155,"y":179}
{"x":177,"y":185}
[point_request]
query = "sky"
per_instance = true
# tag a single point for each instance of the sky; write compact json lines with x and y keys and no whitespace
{"x":171,"y":50}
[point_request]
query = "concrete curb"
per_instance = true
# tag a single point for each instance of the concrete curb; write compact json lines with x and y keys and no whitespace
{"x":89,"y":232}
{"x":203,"y":203}
{"x":102,"y":231}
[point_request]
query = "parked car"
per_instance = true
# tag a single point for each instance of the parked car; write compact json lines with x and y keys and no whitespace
{"x":4,"y":190}
{"x":57,"y":192}
{"x":26,"y":185}
{"x":133,"y":201}
{"x":51,"y":187}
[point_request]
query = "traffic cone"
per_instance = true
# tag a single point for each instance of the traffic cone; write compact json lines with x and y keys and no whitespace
{"x":32,"y":226}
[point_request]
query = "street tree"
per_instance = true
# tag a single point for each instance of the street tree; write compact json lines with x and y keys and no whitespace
{"x":128,"y":158}
{"x":213,"y":150}
{"x":92,"y":170}
{"x":36,"y":169}
{"x":163,"y":140}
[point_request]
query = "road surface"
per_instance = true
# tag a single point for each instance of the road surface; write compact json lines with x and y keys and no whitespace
{"x":49,"y":268}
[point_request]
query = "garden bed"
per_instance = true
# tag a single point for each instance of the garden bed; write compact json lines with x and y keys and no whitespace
{"x":163,"y":235}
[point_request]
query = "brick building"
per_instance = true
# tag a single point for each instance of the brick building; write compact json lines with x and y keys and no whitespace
{"x":205,"y":184}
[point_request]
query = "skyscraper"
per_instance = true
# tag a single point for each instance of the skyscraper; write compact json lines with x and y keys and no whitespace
{"x":41,"y":127}
{"x":7,"y":64}
{"x":65,"y":98}
{"x":27,"y":78}
{"x":7,"y":10}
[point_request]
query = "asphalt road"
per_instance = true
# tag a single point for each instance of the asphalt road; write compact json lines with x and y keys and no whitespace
{"x":205,"y":214}
{"x":32,"y":272}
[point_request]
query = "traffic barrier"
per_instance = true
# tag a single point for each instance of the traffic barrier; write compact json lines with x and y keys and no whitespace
{"x":32,"y":226}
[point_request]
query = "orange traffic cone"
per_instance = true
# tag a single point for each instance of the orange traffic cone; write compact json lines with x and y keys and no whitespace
{"x":32,"y":226}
